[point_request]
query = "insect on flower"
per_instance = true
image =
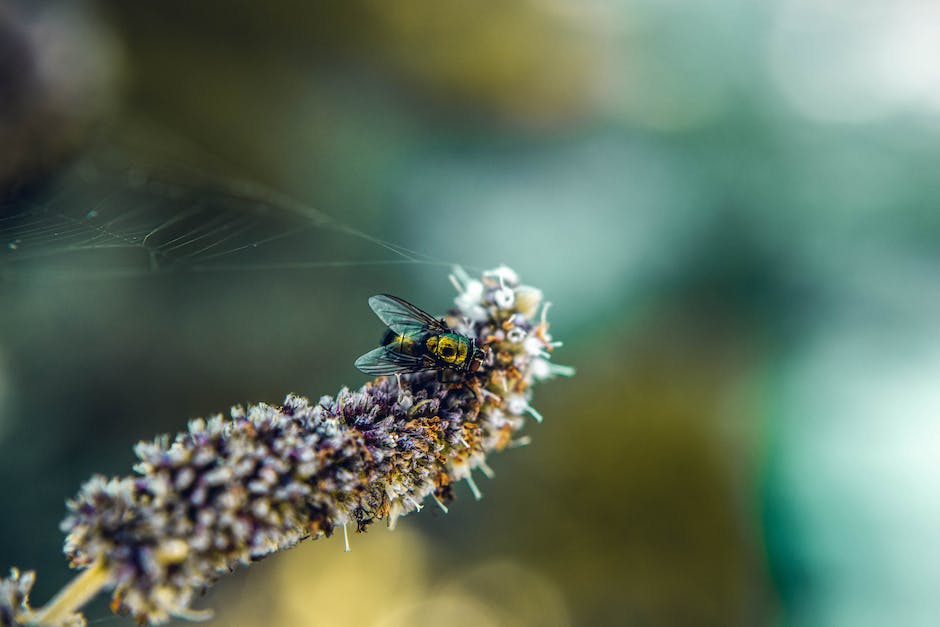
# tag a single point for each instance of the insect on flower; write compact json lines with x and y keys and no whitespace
{"x":283,"y":473}
{"x":416,"y":341}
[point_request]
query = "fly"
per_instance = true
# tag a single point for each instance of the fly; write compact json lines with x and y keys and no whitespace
{"x":416,"y":342}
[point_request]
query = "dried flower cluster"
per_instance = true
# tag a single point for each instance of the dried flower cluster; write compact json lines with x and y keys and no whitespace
{"x":14,"y":602}
{"x":14,"y":597}
{"x":229,"y":491}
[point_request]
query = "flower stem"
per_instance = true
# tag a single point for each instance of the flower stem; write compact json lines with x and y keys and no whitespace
{"x":73,"y":596}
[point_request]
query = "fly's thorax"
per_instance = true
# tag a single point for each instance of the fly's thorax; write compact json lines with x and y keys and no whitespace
{"x":449,"y":349}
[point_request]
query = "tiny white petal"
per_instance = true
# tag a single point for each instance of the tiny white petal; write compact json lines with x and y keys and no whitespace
{"x":541,"y":369}
{"x":504,"y":298}
{"x":516,"y":404}
{"x":532,"y":345}
{"x":516,"y":335}
{"x":503,"y":274}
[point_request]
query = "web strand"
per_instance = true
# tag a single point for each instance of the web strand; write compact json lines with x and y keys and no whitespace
{"x":101,"y":222}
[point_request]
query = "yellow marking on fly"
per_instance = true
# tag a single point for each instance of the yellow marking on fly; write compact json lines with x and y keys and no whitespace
{"x":449,"y":348}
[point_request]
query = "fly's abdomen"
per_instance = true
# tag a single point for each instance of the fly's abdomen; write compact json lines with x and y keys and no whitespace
{"x":408,"y":343}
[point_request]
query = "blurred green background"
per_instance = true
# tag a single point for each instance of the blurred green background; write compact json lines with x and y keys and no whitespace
{"x":732,"y":206}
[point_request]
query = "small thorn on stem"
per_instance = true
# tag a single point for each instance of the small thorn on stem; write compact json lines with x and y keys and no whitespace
{"x":535,"y":414}
{"x":474,"y":488}
{"x":440,"y":504}
{"x":520,"y":442}
{"x":561,"y":371}
{"x":194,"y":616}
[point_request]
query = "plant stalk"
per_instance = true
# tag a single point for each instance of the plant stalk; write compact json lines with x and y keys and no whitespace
{"x":73,"y":596}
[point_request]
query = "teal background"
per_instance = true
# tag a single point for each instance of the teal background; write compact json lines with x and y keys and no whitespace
{"x":732,"y":206}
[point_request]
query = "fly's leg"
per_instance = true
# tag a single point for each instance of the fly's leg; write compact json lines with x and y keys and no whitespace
{"x":401,"y":394}
{"x":454,"y":379}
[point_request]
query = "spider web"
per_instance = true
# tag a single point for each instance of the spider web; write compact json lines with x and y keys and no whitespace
{"x":107,"y":217}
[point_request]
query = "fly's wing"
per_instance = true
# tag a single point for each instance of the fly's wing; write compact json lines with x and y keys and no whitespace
{"x":384,"y":360}
{"x":403,"y":317}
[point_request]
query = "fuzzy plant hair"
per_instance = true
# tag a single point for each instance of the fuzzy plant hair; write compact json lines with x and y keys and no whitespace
{"x":229,"y":491}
